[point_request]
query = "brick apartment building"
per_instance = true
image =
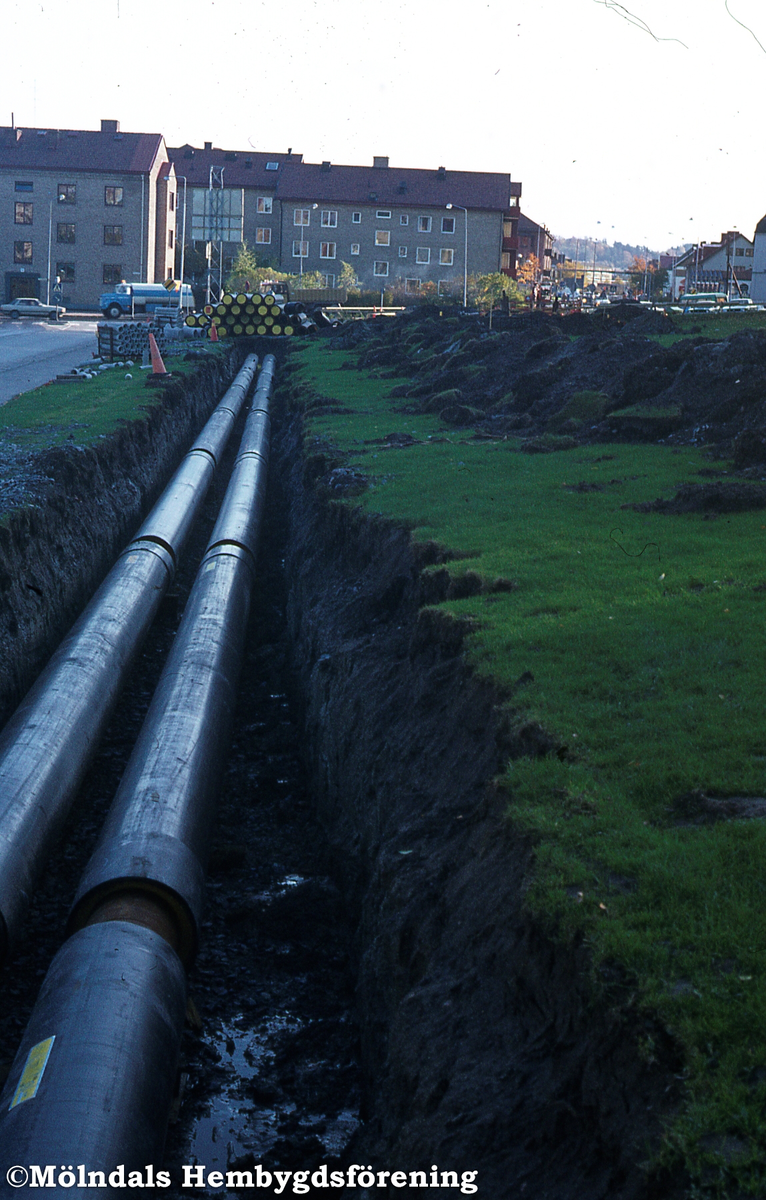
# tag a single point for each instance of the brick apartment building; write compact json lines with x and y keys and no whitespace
{"x":87,"y":208}
{"x":81,"y":210}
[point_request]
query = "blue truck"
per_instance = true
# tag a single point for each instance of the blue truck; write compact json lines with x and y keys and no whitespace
{"x":136,"y":299}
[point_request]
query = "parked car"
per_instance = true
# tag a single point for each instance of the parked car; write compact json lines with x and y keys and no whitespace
{"x":741,"y":304}
{"x":30,"y":306}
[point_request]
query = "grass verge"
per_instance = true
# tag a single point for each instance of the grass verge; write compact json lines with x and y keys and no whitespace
{"x":636,"y":641}
{"x":84,"y":410}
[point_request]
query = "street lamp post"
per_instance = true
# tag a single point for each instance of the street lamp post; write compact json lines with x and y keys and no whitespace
{"x":168,"y":179}
{"x":465,"y":254}
{"x":300,"y":259}
{"x":183,"y":246}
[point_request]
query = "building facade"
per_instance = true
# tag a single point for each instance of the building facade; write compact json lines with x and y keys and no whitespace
{"x":393,"y":227}
{"x":81,"y":210}
{"x":723,"y":266}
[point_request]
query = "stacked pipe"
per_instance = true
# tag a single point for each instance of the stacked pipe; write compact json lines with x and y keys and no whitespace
{"x":245,"y":314}
{"x":131,"y":338}
{"x":93,"y":1079}
{"x":46,"y":746}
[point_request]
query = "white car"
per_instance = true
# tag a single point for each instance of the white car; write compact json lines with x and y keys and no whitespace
{"x":30,"y":306}
{"x":742,"y":304}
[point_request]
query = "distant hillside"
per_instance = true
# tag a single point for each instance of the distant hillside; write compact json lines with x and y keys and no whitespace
{"x":618,"y":255}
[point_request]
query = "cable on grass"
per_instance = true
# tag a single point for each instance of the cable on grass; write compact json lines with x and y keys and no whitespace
{"x":612,"y":538}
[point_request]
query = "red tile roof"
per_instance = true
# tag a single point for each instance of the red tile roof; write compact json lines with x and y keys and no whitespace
{"x":392,"y":186}
{"x":78,"y":150}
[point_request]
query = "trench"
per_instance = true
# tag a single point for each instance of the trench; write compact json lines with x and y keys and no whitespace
{"x":370,"y":987}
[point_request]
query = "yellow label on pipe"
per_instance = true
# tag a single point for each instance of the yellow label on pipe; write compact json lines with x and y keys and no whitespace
{"x":34,"y":1069}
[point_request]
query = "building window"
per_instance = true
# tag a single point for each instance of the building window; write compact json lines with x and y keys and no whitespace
{"x":170,"y":239}
{"x":383,"y":214}
{"x":329,"y":218}
{"x":301,"y":216}
{"x":171,"y":200}
{"x":113,"y":196}
{"x":328,"y":280}
{"x":380,"y":268}
{"x":446,"y":258}
{"x":382,"y":237}
{"x":448,"y":224}
{"x":327,"y":249}
{"x":22,"y":252}
{"x":64,"y":232}
{"x":22,"y":213}
{"x":65,"y":272}
{"x":67,"y":193}
{"x":24,"y":185}
{"x":422,"y":254}
{"x":404,"y":219}
{"x":112,"y":272}
{"x":300,"y":249}
{"x":402,"y":251}
{"x":737,"y":249}
{"x":354,"y":247}
{"x":748,"y":251}
{"x":424,"y":224}
{"x":263,"y":204}
{"x":356,"y":218}
{"x":113,"y":235}
{"x":412,"y":285}
{"x":263,"y":237}
{"x":272,"y":166}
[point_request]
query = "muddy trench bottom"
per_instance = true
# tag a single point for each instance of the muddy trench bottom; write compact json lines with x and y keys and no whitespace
{"x":269,"y":1067}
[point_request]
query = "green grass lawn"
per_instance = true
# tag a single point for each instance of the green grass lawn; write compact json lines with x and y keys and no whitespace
{"x":644,"y":635}
{"x":84,"y":410}
{"x":713,"y":327}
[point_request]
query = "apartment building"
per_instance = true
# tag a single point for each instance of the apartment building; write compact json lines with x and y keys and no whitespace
{"x":393,"y":226}
{"x":81,"y":210}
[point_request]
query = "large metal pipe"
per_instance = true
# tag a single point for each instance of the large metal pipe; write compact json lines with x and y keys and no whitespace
{"x":48,"y":743}
{"x":157,"y":832}
{"x":94,"y":1077}
{"x":91,"y":1083}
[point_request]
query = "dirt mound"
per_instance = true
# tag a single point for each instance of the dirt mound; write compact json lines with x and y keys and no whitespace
{"x":722,"y":496}
{"x":527,"y":374}
{"x":697,"y":808}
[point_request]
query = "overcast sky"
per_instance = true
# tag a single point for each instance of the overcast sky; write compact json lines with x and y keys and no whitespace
{"x":639,"y":122}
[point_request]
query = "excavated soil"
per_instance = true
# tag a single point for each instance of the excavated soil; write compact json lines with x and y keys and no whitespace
{"x":524,"y":376}
{"x":485,"y":1045}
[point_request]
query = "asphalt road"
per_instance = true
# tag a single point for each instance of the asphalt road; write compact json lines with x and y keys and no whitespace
{"x":32,"y":352}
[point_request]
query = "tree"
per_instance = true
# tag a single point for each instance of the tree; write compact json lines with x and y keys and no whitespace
{"x":309,"y":280}
{"x":647,"y":276}
{"x":244,"y":269}
{"x":347,"y":277}
{"x":529,"y":270}
{"x":486,"y":291}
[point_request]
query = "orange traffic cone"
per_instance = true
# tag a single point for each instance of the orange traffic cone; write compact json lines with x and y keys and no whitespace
{"x":158,"y":366}
{"x":213,"y":333}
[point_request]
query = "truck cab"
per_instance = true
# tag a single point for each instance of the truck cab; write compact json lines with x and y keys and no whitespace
{"x":136,"y":299}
